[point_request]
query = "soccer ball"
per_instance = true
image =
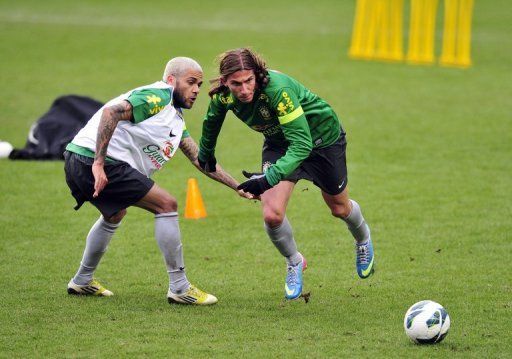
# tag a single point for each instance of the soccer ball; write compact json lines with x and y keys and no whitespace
{"x":5,"y":149}
{"x":426,"y":322}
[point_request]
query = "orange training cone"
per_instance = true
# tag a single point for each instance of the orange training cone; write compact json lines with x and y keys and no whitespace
{"x":194,"y":207}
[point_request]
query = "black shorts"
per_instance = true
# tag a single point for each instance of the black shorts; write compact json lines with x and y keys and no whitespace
{"x":126,"y":186}
{"x":326,"y":167}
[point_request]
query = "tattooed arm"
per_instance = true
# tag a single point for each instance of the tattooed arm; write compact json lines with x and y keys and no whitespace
{"x":189,"y":147}
{"x":108,"y":122}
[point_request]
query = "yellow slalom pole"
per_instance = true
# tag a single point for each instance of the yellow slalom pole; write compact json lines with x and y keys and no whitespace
{"x":464,"y":32}
{"x":358,"y":29}
{"x":430,"y":7}
{"x":389,"y":30}
{"x":414,"y":24}
{"x":422,"y":31}
{"x":449,"y":32}
{"x":382,"y":29}
{"x":371,"y":29}
{"x":396,"y":41}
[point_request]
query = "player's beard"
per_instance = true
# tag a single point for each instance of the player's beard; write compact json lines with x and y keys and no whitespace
{"x":179,"y":100}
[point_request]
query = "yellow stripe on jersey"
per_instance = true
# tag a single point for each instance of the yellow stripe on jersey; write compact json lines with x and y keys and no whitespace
{"x":291,"y":116}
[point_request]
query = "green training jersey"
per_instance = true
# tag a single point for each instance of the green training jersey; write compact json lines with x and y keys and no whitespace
{"x":285,"y":112}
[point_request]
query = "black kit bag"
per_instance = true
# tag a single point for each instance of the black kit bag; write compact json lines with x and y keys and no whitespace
{"x":49,"y":135}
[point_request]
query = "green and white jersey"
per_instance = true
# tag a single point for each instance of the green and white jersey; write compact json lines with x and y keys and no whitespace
{"x":149,"y":140}
{"x":285,"y":112}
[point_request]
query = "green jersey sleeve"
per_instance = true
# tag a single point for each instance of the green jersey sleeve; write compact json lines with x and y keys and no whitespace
{"x":296,"y":131}
{"x":148,"y":102}
{"x":211,"y":126}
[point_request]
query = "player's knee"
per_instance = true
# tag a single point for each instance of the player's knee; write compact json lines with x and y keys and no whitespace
{"x":273,"y":218}
{"x":341,"y":210}
{"x":116,"y":218}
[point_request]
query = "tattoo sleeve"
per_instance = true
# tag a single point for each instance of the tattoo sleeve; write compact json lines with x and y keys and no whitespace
{"x":108,"y":123}
{"x":189,"y":148}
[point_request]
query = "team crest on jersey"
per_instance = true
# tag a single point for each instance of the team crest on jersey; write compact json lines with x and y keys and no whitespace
{"x":168,"y":149}
{"x":226,"y":100}
{"x":266,"y":166}
{"x":265,"y":112}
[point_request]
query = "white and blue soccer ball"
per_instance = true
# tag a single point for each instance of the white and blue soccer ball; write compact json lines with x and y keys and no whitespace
{"x":426,"y":322}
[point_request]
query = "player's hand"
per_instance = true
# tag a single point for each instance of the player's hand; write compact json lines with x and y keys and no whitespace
{"x":256,"y":185}
{"x":209,"y":165}
{"x":247,"y":195}
{"x":100,"y":178}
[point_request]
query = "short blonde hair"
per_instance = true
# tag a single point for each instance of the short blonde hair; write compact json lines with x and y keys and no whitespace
{"x":178,"y":65}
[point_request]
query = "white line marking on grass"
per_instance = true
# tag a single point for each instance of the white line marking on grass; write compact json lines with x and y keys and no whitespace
{"x":176,"y":22}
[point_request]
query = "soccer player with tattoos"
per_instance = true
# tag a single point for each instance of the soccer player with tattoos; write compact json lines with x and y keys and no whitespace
{"x":109,"y":164}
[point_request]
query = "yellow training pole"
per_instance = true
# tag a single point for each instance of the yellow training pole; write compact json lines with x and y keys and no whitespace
{"x":422,"y":31}
{"x":464,"y":33}
{"x":396,"y":43}
{"x":449,"y":32}
{"x":457,"y":33}
{"x":389,"y":30}
{"x":382,"y":29}
{"x":358,"y":30}
{"x":372,"y":13}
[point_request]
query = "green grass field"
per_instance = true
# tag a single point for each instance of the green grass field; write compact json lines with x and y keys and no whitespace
{"x":429,"y":158}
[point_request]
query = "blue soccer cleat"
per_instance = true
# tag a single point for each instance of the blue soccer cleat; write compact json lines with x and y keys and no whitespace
{"x":293,"y":285}
{"x":364,"y":259}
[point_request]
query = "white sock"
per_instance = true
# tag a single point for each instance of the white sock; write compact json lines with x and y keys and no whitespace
{"x":168,"y":236}
{"x":357,"y":225}
{"x":96,"y":245}
{"x":282,"y":238}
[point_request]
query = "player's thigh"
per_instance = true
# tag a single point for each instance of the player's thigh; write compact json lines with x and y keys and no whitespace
{"x":275,"y":200}
{"x":158,"y":200}
{"x":125,"y":187}
{"x":327,"y":167}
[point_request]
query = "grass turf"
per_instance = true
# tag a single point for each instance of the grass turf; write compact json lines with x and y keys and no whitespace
{"x":429,"y":162}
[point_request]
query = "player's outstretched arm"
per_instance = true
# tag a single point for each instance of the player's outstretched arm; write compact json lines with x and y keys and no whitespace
{"x":110,"y":117}
{"x":189,"y":147}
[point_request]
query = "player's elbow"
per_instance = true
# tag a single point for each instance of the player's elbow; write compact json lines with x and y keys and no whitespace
{"x":111,"y":114}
